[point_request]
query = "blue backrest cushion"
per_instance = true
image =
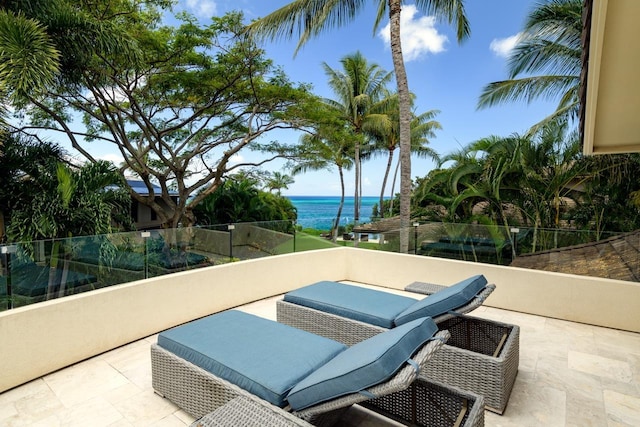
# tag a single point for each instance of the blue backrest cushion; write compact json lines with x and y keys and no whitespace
{"x":259,"y":355}
{"x":363,"y":365}
{"x":444,"y":301}
{"x":354,"y":302}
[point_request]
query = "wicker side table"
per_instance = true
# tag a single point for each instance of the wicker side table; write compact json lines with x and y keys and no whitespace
{"x":481,"y":356}
{"x":424,"y":288}
{"x":429,"y":404}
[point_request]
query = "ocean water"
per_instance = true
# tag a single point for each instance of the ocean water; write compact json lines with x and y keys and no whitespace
{"x":319,"y":212}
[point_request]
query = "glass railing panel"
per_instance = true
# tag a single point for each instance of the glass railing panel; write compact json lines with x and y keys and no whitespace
{"x":38,"y":271}
{"x":583,"y":252}
{"x":468,"y":242}
{"x":112,"y":258}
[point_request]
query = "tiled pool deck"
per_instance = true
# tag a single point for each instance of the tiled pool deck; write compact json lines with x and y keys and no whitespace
{"x":570,"y":374}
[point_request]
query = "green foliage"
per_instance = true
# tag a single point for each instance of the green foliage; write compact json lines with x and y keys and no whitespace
{"x":170,"y":98}
{"x":25,"y":166}
{"x":514,"y":180}
{"x":609,"y":203}
{"x":61,"y":201}
{"x":29,"y":61}
{"x":278,"y":181}
{"x":240,"y":200}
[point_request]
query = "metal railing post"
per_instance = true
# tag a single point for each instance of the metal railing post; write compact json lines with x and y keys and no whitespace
{"x":145,"y":235}
{"x":6,"y":254}
{"x":231,"y":227}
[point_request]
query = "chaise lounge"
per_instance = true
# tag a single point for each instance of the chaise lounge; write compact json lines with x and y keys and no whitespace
{"x":227,"y":366}
{"x":482,"y":356}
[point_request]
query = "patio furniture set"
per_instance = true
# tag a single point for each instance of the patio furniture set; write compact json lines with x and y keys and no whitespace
{"x":418,"y":362}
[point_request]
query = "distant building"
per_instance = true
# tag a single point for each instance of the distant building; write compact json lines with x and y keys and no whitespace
{"x":143,"y":216}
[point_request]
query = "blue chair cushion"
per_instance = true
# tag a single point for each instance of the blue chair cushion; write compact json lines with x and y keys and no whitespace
{"x":444,"y":301}
{"x":354,"y":302}
{"x":264,"y":357}
{"x":364,"y":365}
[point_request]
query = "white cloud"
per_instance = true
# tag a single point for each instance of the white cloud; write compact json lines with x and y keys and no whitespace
{"x":503,"y":47}
{"x":418,"y":34}
{"x":202,"y":8}
{"x":112,"y":157}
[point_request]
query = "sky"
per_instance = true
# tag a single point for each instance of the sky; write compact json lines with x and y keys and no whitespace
{"x":443,"y":74}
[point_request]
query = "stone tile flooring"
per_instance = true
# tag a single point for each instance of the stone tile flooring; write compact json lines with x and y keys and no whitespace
{"x":570,"y":375}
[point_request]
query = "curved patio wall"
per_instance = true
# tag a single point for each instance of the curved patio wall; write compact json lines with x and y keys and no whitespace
{"x":44,"y":337}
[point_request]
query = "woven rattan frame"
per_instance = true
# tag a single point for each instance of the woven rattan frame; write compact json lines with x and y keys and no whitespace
{"x":247,"y":411}
{"x":462,"y":365}
{"x":199,"y":392}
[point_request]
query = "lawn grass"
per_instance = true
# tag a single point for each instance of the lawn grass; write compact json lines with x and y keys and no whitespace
{"x":308,"y":242}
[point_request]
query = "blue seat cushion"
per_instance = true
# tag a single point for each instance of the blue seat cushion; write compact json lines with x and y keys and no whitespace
{"x":364,"y":365}
{"x":354,"y":302}
{"x":264,"y":357}
{"x":444,"y":301}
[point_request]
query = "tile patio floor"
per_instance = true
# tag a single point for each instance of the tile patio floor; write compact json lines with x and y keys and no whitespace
{"x":570,"y":375}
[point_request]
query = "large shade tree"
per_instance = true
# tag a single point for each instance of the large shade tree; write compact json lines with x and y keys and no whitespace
{"x":309,"y":18}
{"x":177,"y":103}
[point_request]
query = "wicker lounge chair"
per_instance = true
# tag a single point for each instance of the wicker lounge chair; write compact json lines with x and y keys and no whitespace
{"x":220,"y":402}
{"x":482,"y":356}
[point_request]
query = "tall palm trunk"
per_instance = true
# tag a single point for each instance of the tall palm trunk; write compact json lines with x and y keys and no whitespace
{"x":404,"y":98}
{"x":336,"y":224}
{"x":384,"y":182}
{"x":356,"y":198}
{"x":392,"y":193}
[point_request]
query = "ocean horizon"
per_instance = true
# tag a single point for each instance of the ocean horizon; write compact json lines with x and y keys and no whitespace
{"x":319,"y":212}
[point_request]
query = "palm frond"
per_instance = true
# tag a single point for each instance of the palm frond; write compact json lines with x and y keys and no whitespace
{"x":305,"y":19}
{"x":450,"y":11}
{"x":526,"y":89}
{"x":29,"y":60}
{"x":543,"y":56}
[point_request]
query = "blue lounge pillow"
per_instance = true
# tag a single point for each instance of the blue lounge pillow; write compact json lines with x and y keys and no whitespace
{"x":259,"y":355}
{"x":444,"y":301}
{"x":364,"y":365}
{"x":353,"y":302}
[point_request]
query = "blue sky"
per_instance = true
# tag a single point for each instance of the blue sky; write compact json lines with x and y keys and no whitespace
{"x":444,"y":75}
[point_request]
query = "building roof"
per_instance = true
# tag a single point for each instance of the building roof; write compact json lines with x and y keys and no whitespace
{"x":612,"y":258}
{"x":141,"y":188}
{"x":610,"y":89}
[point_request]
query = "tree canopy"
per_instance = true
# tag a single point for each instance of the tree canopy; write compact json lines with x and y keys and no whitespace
{"x":178,"y":102}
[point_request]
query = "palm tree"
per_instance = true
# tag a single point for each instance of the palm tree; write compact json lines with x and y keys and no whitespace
{"x":22,"y":162}
{"x":387,"y":140}
{"x":548,"y":54}
{"x":308,"y":18}
{"x":70,"y":202}
{"x":330,"y":146}
{"x":358,"y":86}
{"x":278,"y":181}
{"x":446,"y":185}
